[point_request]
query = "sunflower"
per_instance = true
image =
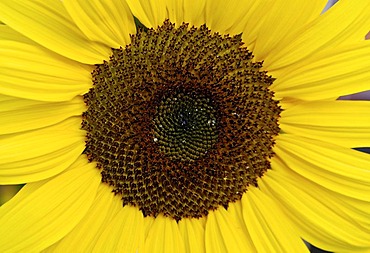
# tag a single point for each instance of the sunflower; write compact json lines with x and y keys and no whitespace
{"x":197,"y":126}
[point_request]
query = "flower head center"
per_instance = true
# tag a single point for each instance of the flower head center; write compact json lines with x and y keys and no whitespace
{"x":181,"y":121}
{"x":185,"y":126}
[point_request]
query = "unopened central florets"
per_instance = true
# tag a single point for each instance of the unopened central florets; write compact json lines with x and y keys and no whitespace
{"x":185,"y":126}
{"x":181,"y":121}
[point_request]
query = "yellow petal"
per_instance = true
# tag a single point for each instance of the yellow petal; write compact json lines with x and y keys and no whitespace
{"x":347,"y":114}
{"x":193,"y":12}
{"x":44,"y":212}
{"x":108,"y":22}
{"x":29,"y":71}
{"x":235,"y":209}
{"x":224,"y":234}
{"x":192,"y":231}
{"x":125,"y":232}
{"x":84,"y":236}
{"x":31,"y":144}
{"x":269,"y":227}
{"x":164,"y":237}
{"x":309,"y":207}
{"x":336,"y":168}
{"x":150,"y":13}
{"x":17,"y":115}
{"x":148,"y":222}
{"x":280,"y":25}
{"x":175,"y":11}
{"x":7,"y":33}
{"x":39,"y":154}
{"x":346,"y":22}
{"x":344,"y":123}
{"x":187,"y":11}
{"x":327,"y":74}
{"x":230,"y":18}
{"x":41,"y":167}
{"x":341,"y":197}
{"x":48,"y":23}
{"x":254,"y":13}
{"x":357,"y":209}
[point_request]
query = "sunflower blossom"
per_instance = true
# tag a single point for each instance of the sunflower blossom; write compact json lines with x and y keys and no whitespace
{"x":209,"y":127}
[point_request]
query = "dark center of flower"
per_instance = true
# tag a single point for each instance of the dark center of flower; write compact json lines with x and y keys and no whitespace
{"x":181,"y":121}
{"x":185,"y":126}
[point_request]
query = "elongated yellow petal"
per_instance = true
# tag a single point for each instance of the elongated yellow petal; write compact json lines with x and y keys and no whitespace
{"x":269,"y":227}
{"x":99,"y":217}
{"x":44,"y":212}
{"x":188,"y":11}
{"x":251,"y":24}
{"x":29,"y":71}
{"x":348,"y":114}
{"x":310,"y":208}
{"x":193,"y":12}
{"x":39,"y":154}
{"x":327,"y":74}
{"x":150,"y":13}
{"x":175,"y":11}
{"x":31,"y":144}
{"x":236,"y":12}
{"x":350,"y":207}
{"x":344,"y":123}
{"x":164,"y":237}
{"x":7,"y":33}
{"x":350,"y":137}
{"x":235,"y":210}
{"x":40,"y":167}
{"x":148,"y":222}
{"x":224,"y":234}
{"x":21,"y":56}
{"x":192,"y":231}
{"x":316,"y":180}
{"x":108,"y":22}
{"x":35,"y":114}
{"x":125,"y":233}
{"x":281,"y":23}
{"x":344,"y":23}
{"x":48,"y":23}
{"x":339,"y":169}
